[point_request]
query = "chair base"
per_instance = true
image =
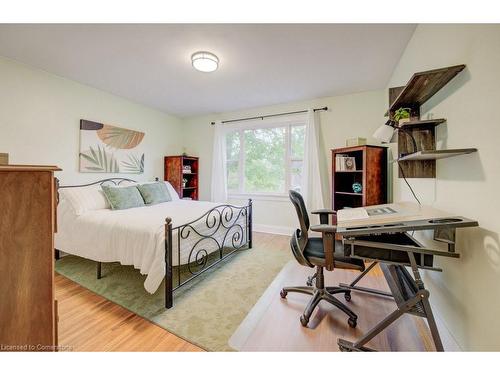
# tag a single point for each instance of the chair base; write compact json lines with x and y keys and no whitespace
{"x":321,"y":293}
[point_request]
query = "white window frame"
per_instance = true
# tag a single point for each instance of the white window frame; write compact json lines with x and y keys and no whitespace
{"x":286,"y":122}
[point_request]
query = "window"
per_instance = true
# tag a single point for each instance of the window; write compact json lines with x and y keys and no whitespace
{"x":266,"y":159}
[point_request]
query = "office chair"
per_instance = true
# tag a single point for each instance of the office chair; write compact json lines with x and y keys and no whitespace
{"x":324,"y":252}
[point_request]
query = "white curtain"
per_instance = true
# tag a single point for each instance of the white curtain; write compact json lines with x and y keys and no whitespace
{"x":313,"y":176}
{"x":219,"y":175}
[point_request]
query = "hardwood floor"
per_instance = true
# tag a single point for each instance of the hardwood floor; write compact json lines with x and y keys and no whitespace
{"x":88,"y":322}
{"x":273,"y":324}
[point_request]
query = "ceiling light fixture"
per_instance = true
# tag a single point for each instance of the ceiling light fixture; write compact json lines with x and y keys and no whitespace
{"x":205,"y":61}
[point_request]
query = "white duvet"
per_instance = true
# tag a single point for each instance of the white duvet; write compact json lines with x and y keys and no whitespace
{"x":136,"y":236}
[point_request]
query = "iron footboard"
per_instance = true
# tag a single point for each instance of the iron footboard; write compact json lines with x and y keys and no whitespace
{"x":204,"y":243}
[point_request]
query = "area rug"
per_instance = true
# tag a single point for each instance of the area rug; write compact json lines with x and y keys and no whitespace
{"x":206,"y":311}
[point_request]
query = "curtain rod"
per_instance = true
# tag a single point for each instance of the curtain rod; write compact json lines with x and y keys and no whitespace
{"x":273,"y":115}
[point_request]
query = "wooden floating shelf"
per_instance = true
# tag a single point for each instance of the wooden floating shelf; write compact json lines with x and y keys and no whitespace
{"x":423,"y":85}
{"x":423,"y":123}
{"x":347,"y":193}
{"x":437,"y":154}
{"x":187,"y":188}
{"x":189,"y":173}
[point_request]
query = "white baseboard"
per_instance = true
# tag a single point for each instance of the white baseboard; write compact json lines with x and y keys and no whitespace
{"x":273,"y":229}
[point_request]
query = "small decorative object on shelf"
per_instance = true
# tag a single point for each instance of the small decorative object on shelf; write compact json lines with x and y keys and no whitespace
{"x":345,"y":163}
{"x":357,"y":187}
{"x":355,"y":142}
{"x":186,"y":169}
{"x":4,"y":158}
{"x":402,"y":115}
{"x":184,"y":182}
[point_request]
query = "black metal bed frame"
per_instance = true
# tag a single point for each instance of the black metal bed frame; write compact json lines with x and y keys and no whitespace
{"x":222,"y":221}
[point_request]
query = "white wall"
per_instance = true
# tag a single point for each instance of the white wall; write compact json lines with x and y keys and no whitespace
{"x":40,"y":114}
{"x":348,"y":116}
{"x":467,"y":293}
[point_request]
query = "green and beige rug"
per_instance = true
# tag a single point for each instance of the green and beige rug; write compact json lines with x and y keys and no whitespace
{"x":206,"y":311}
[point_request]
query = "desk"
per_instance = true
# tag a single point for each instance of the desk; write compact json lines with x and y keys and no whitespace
{"x":382,"y":235}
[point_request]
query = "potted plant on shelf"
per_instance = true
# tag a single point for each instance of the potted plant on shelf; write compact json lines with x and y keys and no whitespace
{"x":184,"y":182}
{"x":402,"y":115}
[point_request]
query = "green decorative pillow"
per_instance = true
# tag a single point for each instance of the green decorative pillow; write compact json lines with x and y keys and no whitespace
{"x":154,"y":193}
{"x":121,"y":198}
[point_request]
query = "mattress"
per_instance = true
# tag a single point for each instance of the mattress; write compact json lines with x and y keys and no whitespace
{"x":136,"y":236}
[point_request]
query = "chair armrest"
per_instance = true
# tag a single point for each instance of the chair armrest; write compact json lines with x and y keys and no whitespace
{"x":323,"y":211}
{"x":328,"y":236}
{"x":324,"y":228}
{"x":323,"y":214}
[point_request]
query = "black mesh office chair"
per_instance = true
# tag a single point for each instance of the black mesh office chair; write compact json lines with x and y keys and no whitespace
{"x":324,"y":252}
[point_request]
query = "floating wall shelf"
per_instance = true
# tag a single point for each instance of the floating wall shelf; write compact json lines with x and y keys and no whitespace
{"x":423,"y":123}
{"x":419,"y":89}
{"x":437,"y":154}
{"x":423,"y":85}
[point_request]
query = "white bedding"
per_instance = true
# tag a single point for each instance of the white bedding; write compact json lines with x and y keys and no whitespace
{"x":135,"y":236}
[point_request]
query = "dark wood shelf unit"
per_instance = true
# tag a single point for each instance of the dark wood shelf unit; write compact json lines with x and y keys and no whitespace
{"x":371,"y":173}
{"x":421,"y":162}
{"x":174,"y":174}
{"x":422,"y":86}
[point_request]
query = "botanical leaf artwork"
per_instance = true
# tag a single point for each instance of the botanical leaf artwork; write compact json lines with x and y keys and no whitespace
{"x":101,"y":160}
{"x":110,"y":149}
{"x":134,"y":164}
{"x":119,"y":138}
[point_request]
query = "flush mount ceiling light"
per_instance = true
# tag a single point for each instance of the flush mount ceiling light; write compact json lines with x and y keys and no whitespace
{"x":205,"y":61}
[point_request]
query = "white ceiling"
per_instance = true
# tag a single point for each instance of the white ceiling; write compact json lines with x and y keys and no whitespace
{"x":260,"y":64}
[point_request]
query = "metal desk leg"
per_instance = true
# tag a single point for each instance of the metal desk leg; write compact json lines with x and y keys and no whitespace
{"x":432,"y":325}
{"x":352,"y":286}
{"x":401,"y":284}
{"x":345,"y":345}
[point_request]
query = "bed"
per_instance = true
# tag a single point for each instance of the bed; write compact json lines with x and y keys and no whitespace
{"x":160,"y":240}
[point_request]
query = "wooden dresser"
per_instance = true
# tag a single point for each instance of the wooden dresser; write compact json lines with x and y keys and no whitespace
{"x":28,"y":310}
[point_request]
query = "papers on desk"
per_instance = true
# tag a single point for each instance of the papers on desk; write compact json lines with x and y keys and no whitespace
{"x":352,"y":214}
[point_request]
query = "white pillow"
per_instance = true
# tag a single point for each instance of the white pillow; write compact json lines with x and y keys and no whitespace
{"x":86,"y":198}
{"x":173,"y":194}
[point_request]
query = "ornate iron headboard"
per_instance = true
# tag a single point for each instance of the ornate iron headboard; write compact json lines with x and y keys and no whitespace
{"x":112,"y":181}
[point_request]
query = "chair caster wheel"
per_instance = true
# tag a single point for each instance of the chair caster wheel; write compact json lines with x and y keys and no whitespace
{"x":352,"y":322}
{"x":347,"y":296}
{"x":283,"y":293}
{"x":304,"y":321}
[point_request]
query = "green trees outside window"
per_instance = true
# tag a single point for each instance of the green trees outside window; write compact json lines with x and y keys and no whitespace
{"x":265,"y":160}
